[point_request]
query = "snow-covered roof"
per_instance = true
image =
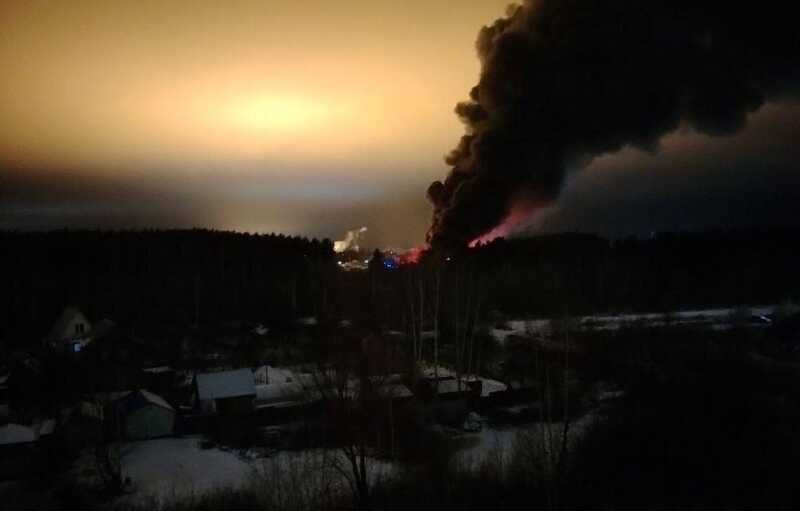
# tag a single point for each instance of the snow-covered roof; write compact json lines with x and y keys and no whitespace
{"x":157,"y":370}
{"x":450,"y":385}
{"x":286,"y":384}
{"x":46,"y":427}
{"x":16,"y":434}
{"x":448,"y":380}
{"x":488,"y":386}
{"x":155,"y":399}
{"x":276,"y":392}
{"x":225,"y":384}
{"x":149,"y":397}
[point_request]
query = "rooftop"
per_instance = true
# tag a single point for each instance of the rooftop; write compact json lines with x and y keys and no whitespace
{"x":16,"y":434}
{"x":226,"y":384}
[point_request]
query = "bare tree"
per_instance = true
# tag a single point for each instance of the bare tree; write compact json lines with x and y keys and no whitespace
{"x":350,"y":385}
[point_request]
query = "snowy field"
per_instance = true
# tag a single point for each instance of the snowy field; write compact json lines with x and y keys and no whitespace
{"x":178,"y":468}
{"x":498,"y":444}
{"x":173,"y":469}
{"x":170,"y":469}
{"x":719,"y":318}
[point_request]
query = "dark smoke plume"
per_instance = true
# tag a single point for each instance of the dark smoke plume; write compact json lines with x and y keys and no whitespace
{"x":563,"y":81}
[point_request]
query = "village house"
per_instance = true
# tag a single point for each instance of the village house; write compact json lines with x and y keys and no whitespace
{"x":286,"y":394}
{"x":140,"y":415}
{"x":444,"y":398}
{"x":225,"y":392}
{"x":71,"y":331}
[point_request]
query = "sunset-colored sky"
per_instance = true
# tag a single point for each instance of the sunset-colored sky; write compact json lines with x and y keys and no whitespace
{"x":304,"y":117}
{"x":316,"y":85}
{"x":270,"y":100}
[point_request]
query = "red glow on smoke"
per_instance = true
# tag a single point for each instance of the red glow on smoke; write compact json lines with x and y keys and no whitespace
{"x":519,"y":213}
{"x":413,"y":255}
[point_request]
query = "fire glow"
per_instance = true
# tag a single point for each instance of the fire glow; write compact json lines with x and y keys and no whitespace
{"x":413,"y":255}
{"x":516,"y":218}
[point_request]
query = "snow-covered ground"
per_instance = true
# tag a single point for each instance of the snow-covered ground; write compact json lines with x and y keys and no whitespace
{"x":488,"y":386}
{"x":497,"y":444}
{"x":718,"y":318}
{"x":171,"y":469}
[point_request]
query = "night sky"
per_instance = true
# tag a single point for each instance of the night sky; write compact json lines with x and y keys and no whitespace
{"x":313,"y":118}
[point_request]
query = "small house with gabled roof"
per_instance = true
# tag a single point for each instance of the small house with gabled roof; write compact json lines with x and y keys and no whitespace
{"x":71,"y":331}
{"x":140,"y":415}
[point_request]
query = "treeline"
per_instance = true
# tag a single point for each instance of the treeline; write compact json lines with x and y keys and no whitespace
{"x":574,"y":274}
{"x":185,"y":277}
{"x":170,"y":277}
{"x":580,"y":273}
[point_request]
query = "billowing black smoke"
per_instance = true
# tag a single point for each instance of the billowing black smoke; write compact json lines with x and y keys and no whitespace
{"x":563,"y":81}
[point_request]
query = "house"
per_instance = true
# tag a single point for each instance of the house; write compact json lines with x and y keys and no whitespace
{"x":445,"y":399}
{"x":70,"y":332}
{"x":140,"y":415}
{"x":225,"y":392}
{"x":285,"y":395}
{"x":282,"y":402}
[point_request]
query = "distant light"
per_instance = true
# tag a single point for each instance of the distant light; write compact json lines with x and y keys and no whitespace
{"x":281,"y":113}
{"x":391,"y":263}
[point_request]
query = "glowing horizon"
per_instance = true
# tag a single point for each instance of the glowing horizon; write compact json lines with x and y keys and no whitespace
{"x":117,"y":86}
{"x":307,"y":118}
